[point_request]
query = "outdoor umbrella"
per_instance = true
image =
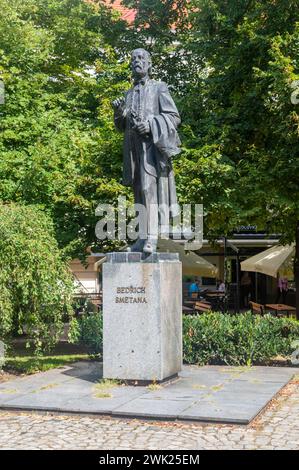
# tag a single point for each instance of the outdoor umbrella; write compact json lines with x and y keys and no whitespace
{"x":270,"y":261}
{"x":192,"y":264}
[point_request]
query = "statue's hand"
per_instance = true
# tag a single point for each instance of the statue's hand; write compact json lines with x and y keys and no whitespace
{"x":118,"y":104}
{"x":143,"y":128}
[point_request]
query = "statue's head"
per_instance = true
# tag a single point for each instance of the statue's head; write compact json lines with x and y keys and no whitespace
{"x":141,"y":63}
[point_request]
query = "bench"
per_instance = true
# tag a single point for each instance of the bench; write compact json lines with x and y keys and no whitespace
{"x":202,"y":306}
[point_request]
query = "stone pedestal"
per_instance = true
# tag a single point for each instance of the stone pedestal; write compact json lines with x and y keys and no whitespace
{"x":142,"y":308}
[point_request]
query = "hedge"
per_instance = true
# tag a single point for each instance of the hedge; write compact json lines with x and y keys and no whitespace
{"x":213,"y":338}
{"x":244,"y":339}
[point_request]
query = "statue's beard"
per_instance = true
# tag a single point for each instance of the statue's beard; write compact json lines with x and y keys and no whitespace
{"x":140,"y":72}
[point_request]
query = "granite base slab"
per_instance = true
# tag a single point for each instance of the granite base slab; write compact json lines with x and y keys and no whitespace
{"x":210,"y":393}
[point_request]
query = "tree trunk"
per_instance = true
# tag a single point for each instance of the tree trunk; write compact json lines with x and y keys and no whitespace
{"x":296,"y":270}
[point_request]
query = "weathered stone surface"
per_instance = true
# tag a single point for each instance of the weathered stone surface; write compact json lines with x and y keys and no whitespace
{"x":221,"y":394}
{"x":276,"y":428}
{"x":142,"y":307}
{"x":151,"y":407}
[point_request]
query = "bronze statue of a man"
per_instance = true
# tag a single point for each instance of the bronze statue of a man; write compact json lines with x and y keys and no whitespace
{"x":149,"y":119}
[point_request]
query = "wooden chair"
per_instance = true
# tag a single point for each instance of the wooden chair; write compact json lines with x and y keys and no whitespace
{"x":202,"y":307}
{"x":257,"y":308}
{"x":193,"y":295}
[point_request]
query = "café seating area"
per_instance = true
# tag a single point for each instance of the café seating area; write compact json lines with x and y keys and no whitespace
{"x":277,"y":310}
{"x":203,"y":301}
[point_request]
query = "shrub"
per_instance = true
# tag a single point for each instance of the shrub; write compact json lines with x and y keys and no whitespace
{"x":88,"y":330}
{"x":211,"y":338}
{"x":35,"y":283}
{"x":216,"y":338}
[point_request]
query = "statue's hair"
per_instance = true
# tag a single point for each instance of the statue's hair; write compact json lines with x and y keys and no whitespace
{"x":148,"y":56}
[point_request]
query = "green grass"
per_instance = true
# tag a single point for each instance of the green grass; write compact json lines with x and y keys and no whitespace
{"x":31,"y":364}
{"x":154,"y":386}
{"x":103,"y":395}
{"x":107,"y":384}
{"x":102,"y":389}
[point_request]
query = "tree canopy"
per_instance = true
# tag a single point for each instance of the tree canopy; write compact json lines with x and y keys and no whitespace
{"x":57,"y":142}
{"x":231,"y":66}
{"x":244,"y":104}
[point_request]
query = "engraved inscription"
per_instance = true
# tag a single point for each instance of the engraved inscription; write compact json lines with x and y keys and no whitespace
{"x":135,"y":295}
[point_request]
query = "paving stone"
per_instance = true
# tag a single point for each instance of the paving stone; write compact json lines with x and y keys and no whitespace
{"x":275,"y":428}
{"x":153,"y":408}
{"x":71,"y":388}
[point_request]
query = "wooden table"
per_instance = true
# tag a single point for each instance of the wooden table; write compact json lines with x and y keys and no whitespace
{"x":217,"y":300}
{"x":215,"y":294}
{"x":288,"y":309}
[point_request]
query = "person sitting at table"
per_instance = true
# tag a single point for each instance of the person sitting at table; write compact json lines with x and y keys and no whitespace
{"x":282,"y":289}
{"x":221,"y":286}
{"x":194,"y":288}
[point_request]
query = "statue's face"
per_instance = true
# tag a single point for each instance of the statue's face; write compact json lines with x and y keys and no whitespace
{"x":140,"y":63}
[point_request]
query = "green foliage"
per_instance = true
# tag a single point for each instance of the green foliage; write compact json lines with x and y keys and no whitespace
{"x":204,"y":175}
{"x":58,"y":145}
{"x":245,"y":339}
{"x":35,"y":283}
{"x":242,"y":105}
{"x":233,"y":66}
{"x":230,"y":66}
{"x":88,"y":330}
{"x":163,"y":26}
{"x":211,"y":338}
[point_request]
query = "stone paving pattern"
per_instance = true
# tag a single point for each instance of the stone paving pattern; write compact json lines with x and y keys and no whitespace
{"x":276,"y":428}
{"x":210,"y":393}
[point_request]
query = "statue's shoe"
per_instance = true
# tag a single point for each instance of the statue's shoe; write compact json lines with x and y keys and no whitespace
{"x":137,"y":247}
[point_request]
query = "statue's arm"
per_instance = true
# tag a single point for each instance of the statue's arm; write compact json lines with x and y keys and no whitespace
{"x":119,"y":114}
{"x":164,"y":126}
{"x":167,"y":105}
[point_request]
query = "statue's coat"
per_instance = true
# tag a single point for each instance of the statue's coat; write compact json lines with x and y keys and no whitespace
{"x":153,"y":152}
